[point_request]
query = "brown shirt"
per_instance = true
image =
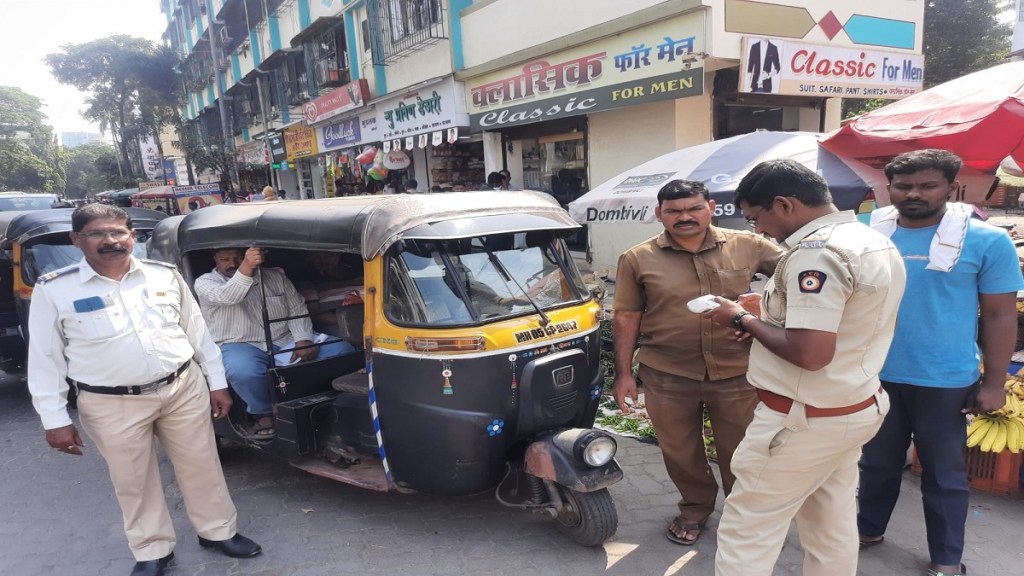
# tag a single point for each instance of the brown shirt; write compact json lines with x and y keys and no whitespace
{"x":842,"y":277}
{"x":658,"y":278}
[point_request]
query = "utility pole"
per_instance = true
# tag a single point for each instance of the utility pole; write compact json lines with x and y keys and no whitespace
{"x":229,"y":139}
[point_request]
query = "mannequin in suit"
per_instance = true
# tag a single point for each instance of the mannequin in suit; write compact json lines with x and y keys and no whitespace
{"x":762,"y":62}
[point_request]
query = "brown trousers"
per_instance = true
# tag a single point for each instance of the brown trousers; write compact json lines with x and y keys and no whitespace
{"x":125,"y":429}
{"x":675,"y":406}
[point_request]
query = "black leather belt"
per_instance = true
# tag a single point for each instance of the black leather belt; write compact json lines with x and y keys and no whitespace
{"x":131,"y":390}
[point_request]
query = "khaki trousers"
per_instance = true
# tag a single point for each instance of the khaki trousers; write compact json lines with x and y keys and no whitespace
{"x":790,"y":466}
{"x":125,"y":428}
{"x":675,"y":405}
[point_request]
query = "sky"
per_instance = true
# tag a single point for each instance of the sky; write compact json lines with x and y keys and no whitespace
{"x":31,"y":29}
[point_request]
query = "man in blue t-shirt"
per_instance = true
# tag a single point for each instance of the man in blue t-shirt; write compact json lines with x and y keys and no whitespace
{"x":955,"y":265}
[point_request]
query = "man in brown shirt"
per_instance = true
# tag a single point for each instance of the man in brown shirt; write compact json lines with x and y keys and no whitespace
{"x":687,"y":362}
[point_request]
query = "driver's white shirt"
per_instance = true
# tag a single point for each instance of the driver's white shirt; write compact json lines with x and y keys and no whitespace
{"x":233,"y":308}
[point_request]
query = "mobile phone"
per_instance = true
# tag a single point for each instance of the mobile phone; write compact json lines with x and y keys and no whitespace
{"x":702,"y":304}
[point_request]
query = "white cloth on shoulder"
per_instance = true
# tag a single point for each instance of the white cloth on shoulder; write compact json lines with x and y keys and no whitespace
{"x":948,"y":242}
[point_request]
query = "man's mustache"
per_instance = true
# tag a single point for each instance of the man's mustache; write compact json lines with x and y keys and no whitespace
{"x":111,"y":250}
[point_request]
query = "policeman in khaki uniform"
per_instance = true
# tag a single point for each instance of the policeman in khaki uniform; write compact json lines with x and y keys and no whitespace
{"x":130,"y":337}
{"x":828,"y":317}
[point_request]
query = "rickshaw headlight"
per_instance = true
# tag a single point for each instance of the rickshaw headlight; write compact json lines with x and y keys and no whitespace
{"x":595,"y":448}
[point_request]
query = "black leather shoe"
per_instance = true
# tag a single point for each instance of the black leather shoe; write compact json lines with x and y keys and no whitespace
{"x":152,"y":567}
{"x":237,"y":546}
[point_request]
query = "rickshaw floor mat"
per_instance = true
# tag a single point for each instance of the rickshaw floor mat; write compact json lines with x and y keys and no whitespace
{"x":355,"y":383}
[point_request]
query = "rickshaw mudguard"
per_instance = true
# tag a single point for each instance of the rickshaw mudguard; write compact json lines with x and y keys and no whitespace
{"x":546,"y":461}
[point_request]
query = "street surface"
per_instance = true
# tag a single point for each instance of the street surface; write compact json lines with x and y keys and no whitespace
{"x":59,"y":517}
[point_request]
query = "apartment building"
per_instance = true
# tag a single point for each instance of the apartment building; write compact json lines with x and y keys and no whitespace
{"x":564,"y":94}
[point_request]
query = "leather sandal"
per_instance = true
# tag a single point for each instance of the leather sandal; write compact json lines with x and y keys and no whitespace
{"x":680,"y":524}
{"x":261,"y":429}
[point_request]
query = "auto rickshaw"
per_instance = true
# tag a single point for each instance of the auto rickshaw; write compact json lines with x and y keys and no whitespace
{"x":476,"y":362}
{"x":33,"y":243}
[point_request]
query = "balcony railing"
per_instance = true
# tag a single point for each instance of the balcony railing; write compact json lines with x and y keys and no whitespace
{"x":400,"y":27}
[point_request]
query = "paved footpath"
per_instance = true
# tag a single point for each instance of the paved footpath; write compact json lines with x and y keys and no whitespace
{"x":58,"y":516}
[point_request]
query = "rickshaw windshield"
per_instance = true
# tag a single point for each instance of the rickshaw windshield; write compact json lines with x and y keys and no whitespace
{"x":474,"y":280}
{"x":45,"y":258}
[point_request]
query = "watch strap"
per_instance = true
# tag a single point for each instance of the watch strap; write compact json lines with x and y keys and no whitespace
{"x":737,"y":320}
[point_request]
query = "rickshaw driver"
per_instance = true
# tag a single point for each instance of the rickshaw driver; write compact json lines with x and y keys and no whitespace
{"x":233,"y":307}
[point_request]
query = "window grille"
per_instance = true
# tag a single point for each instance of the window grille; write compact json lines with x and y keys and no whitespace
{"x":400,"y":27}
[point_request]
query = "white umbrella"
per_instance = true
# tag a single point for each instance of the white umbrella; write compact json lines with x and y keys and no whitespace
{"x":720,"y":165}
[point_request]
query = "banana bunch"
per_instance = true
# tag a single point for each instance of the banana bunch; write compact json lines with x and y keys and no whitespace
{"x":1004,"y":428}
{"x":995,"y":433}
{"x":1014,"y":386}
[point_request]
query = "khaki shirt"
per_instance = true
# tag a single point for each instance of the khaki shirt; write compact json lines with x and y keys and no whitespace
{"x":658,"y":278}
{"x":842,"y":277}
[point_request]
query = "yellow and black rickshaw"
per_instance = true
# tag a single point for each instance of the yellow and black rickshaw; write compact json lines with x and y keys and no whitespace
{"x":476,"y":362}
{"x":33,"y":243}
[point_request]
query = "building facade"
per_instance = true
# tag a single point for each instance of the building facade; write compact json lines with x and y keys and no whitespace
{"x":327,"y":97}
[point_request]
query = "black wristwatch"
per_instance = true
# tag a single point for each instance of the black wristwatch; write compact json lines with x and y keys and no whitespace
{"x":737,"y":320}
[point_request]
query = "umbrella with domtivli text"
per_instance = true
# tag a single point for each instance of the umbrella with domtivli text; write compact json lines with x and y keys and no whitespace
{"x":720,"y":165}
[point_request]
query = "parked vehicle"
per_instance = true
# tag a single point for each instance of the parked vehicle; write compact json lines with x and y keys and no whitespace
{"x":25,"y":201}
{"x":477,"y":347}
{"x":175,"y":200}
{"x":33,"y":243}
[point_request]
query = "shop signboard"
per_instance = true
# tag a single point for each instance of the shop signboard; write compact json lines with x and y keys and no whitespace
{"x":299,"y":142}
{"x":341,"y":134}
{"x":254,"y":152}
{"x":648,"y":64}
{"x":434,"y":107}
{"x":369,"y":128}
{"x":277,"y":151}
{"x":774,"y":66}
{"x":338,"y":101}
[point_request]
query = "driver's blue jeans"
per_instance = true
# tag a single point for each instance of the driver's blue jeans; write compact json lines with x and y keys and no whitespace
{"x":248,"y":369}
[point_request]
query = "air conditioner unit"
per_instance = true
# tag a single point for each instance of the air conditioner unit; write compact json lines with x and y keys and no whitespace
{"x":201,"y":5}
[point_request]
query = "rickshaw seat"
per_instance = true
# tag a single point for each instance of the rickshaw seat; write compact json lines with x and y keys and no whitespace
{"x":355,"y":383}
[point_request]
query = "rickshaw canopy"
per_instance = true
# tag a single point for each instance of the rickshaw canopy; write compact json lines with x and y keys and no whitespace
{"x":23,"y":226}
{"x":366,"y":225}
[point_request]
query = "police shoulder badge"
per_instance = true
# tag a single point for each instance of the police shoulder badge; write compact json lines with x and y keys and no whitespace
{"x":811,"y":281}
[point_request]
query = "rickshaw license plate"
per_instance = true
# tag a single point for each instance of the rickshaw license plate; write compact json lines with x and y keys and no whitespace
{"x":562,"y":376}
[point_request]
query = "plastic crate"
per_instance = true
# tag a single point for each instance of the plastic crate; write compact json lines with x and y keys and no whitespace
{"x":998,"y":473}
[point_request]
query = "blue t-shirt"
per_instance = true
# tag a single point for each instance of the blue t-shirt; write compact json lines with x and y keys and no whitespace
{"x":936,"y":340}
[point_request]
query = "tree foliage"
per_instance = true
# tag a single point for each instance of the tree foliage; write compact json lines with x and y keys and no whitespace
{"x":960,"y":37}
{"x":130,"y":80}
{"x":30,"y":159}
{"x":92,"y":168}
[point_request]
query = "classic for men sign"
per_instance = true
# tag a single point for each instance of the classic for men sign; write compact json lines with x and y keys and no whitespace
{"x":656,"y":62}
{"x":774,"y":66}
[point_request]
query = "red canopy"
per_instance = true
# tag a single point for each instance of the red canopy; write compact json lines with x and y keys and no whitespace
{"x":979,"y":117}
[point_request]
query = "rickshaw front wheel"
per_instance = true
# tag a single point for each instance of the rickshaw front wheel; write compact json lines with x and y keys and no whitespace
{"x":588,"y":518}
